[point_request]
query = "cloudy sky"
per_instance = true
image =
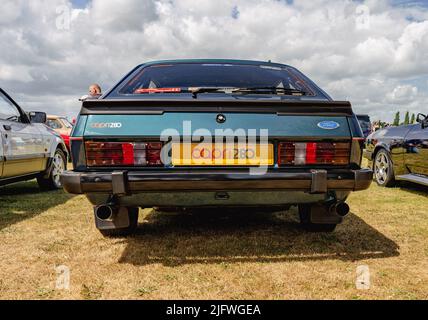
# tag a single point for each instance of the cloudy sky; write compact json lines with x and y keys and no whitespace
{"x":373,"y":53}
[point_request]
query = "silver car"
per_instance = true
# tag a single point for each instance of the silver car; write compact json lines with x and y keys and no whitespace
{"x":28,"y":148}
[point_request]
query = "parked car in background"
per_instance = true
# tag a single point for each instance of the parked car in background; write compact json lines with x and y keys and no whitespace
{"x":62,"y":126}
{"x":129,"y":146}
{"x":366,"y":126}
{"x":399,"y":153}
{"x":28,"y":148}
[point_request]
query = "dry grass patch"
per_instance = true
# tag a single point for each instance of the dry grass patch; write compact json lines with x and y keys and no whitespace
{"x":218,"y":255}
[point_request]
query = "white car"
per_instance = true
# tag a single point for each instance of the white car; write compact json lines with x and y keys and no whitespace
{"x":28,"y":148}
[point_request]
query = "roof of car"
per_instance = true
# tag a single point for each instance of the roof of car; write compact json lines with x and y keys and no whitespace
{"x":235,"y":61}
{"x":111,"y":92}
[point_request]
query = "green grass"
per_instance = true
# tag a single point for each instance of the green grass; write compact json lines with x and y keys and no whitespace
{"x":213,"y":255}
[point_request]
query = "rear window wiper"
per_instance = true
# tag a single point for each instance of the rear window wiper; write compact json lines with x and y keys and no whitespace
{"x":196,"y":90}
{"x":275,"y":90}
{"x":230,"y":90}
{"x":257,"y":90}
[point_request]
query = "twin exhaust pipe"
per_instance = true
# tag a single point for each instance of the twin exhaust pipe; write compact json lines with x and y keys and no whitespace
{"x":107,"y":212}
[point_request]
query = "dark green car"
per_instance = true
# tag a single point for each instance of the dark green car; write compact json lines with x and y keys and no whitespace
{"x":216,"y":133}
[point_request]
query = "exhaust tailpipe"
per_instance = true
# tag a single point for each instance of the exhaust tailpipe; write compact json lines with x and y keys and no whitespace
{"x":105,"y":212}
{"x":340,"y":208}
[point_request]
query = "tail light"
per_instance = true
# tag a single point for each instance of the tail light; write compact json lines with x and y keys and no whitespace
{"x":317,"y":153}
{"x":103,"y":154}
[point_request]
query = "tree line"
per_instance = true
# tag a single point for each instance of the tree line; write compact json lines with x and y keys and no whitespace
{"x":407,"y":119}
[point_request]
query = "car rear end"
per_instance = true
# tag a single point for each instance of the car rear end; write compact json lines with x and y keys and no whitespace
{"x":197,"y":152}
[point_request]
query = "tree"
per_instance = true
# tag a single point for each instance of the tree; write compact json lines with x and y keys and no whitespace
{"x":407,"y":118}
{"x":396,"y":119}
{"x":412,"y":121}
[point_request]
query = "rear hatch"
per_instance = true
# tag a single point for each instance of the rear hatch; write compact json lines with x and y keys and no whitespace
{"x":279,"y":134}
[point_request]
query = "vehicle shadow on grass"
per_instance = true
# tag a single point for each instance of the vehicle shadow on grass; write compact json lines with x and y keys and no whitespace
{"x":413,"y":188}
{"x":24,"y":200}
{"x":242,"y":236}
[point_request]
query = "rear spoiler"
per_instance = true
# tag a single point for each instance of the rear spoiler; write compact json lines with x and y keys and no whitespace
{"x":160,"y":106}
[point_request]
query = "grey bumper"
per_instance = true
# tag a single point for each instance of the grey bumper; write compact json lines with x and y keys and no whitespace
{"x":133,"y":182}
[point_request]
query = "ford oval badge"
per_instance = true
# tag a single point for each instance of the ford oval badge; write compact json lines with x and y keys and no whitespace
{"x":328,"y":125}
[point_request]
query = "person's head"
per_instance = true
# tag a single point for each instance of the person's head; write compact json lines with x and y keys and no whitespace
{"x":94,"y":89}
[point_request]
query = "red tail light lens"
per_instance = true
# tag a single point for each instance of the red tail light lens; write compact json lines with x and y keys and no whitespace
{"x":317,"y":153}
{"x":311,"y":153}
{"x":154,"y":153}
{"x":104,"y":154}
{"x":128,"y":154}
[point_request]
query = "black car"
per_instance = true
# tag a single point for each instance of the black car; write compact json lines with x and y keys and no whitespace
{"x":399,"y":153}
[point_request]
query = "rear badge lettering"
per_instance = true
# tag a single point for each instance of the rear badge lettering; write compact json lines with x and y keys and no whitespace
{"x":105,"y":125}
{"x":328,"y":125}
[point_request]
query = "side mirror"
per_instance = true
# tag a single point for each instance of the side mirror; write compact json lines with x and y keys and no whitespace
{"x":37,"y":117}
{"x":423,"y":120}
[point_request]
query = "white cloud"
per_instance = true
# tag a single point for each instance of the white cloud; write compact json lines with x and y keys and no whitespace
{"x":10,"y":12}
{"x":15,"y":73}
{"x":411,"y":56}
{"x":112,"y":16}
{"x":370,"y":64}
{"x":402,"y":93}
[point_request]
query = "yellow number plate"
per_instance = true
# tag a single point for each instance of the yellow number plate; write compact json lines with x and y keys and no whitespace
{"x":207,"y":154}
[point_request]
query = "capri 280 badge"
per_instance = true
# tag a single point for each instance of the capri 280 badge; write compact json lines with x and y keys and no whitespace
{"x":328,"y":125}
{"x":106,"y":125}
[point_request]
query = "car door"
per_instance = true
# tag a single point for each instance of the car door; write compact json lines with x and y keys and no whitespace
{"x":22,"y":143}
{"x":416,"y":144}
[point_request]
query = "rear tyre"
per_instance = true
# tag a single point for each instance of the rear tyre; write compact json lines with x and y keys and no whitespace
{"x":53,"y":181}
{"x":121,"y":232}
{"x":383,"y":169}
{"x":305,"y":221}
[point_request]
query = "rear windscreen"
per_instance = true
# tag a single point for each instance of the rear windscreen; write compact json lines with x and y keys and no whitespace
{"x":189,"y":75}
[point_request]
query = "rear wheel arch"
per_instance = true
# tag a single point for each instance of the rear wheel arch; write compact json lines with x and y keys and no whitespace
{"x":62,"y":147}
{"x":376,"y":151}
{"x":378,"y":148}
{"x":49,"y":180}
